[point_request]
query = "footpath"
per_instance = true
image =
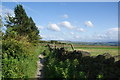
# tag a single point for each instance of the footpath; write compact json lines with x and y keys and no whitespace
{"x":40,"y":66}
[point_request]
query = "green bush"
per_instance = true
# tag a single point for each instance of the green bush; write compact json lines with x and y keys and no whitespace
{"x":19,"y":59}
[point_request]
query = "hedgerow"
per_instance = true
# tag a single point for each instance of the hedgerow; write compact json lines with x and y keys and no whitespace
{"x":19,"y":59}
{"x":72,"y":65}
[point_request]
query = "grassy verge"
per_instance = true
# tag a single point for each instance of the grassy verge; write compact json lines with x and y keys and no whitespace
{"x":32,"y":67}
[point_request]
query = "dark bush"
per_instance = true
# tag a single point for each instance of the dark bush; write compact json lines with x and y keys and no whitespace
{"x":79,"y":64}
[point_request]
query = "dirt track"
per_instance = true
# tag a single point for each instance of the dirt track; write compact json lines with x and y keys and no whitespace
{"x":40,"y":66}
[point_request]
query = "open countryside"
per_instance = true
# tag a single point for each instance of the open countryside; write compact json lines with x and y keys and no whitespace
{"x":34,"y":47}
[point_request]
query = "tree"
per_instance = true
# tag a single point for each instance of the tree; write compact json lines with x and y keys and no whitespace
{"x":0,"y":25}
{"x":22,"y":25}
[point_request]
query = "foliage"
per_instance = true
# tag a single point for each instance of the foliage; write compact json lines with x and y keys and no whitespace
{"x":19,"y":59}
{"x":0,"y":44}
{"x":21,"y":24}
{"x":72,"y":65}
{"x":19,"y":49}
{"x":55,"y":42}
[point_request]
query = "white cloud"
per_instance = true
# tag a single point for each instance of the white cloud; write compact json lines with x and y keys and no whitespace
{"x":52,"y":37}
{"x":60,"y":38}
{"x":100,"y":36}
{"x":72,"y":33}
{"x":114,"y":29}
{"x":4,"y":10}
{"x":43,"y":36}
{"x":108,"y":35}
{"x":81,"y":29}
{"x":89,"y":24}
{"x":67,"y":24}
{"x":40,"y":27}
{"x":76,"y":37}
{"x":113,"y":33}
{"x":65,"y":16}
{"x":54,"y":27}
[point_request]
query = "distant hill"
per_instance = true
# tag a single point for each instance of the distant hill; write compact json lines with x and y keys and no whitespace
{"x":84,"y":43}
{"x":93,"y":43}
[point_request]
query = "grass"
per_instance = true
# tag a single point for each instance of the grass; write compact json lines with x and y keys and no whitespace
{"x":96,"y":50}
{"x":33,"y":65}
{"x":93,"y":49}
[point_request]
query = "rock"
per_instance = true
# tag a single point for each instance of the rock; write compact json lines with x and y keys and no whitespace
{"x":84,"y":53}
{"x":107,"y":55}
{"x":117,"y":58}
{"x":41,"y":56}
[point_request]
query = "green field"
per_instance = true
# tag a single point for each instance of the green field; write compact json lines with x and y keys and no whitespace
{"x":69,"y":64}
{"x":96,"y":50}
{"x":93,"y":49}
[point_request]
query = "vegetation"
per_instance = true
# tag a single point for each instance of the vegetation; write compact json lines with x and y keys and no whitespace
{"x":0,"y":45}
{"x":19,"y":46}
{"x":71,"y":65}
{"x":97,"y":50}
{"x":21,"y":25}
{"x":94,"y":43}
{"x":19,"y":59}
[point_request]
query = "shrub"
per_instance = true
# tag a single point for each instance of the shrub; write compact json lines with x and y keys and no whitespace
{"x":72,"y":65}
{"x":19,"y":58}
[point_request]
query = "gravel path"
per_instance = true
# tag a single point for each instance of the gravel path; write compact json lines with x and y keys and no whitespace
{"x":40,"y":66}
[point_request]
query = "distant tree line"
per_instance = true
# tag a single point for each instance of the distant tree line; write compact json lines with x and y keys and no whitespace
{"x":52,"y":42}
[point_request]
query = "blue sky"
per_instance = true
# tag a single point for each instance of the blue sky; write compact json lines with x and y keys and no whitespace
{"x":73,"y":21}
{"x":60,"y":0}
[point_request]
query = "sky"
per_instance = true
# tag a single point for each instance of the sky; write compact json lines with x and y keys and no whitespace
{"x":72,"y":21}
{"x":60,"y":0}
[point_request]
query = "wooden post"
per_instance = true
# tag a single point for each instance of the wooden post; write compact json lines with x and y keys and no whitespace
{"x":72,"y":47}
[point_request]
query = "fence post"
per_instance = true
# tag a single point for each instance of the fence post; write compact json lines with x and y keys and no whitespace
{"x":72,"y":47}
